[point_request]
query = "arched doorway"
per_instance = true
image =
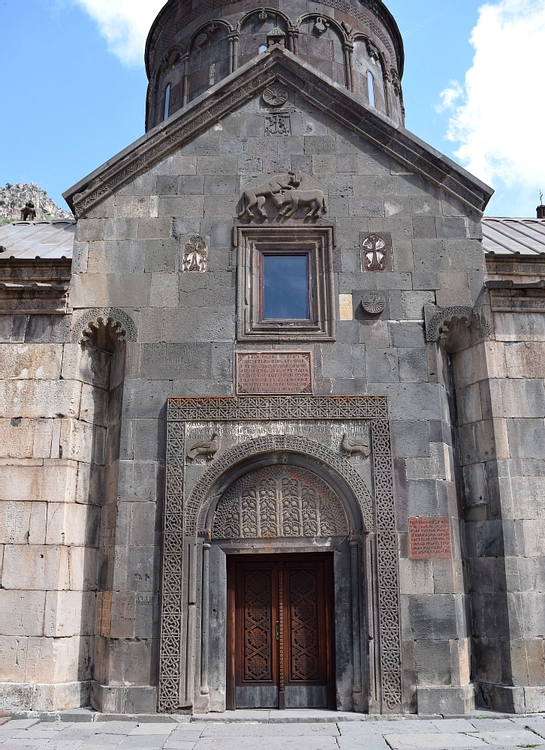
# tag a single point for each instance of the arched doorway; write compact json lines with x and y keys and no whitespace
{"x":283,"y":618}
{"x":338,"y":507}
{"x":280,"y":607}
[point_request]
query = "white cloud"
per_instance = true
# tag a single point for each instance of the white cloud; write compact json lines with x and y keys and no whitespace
{"x":499,"y":121}
{"x":124,"y":24}
{"x":450,"y":96}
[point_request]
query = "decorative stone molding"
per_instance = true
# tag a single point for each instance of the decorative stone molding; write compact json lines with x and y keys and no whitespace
{"x":438,"y":321}
{"x":187,"y":518}
{"x":122,"y":324}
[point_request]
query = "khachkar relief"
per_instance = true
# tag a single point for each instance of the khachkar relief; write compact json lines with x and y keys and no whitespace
{"x":294,"y":195}
{"x":279,"y":502}
{"x":321,"y":437}
{"x":195,"y":255}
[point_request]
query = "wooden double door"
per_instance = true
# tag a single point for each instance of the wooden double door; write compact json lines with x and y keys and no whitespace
{"x":280,"y":640}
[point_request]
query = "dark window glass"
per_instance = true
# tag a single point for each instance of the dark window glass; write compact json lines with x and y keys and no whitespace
{"x":167,"y":102}
{"x":285,"y":287}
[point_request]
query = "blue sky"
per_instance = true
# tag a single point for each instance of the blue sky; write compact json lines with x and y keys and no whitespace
{"x":74,"y":88}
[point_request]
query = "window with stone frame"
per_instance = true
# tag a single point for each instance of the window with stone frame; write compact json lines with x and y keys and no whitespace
{"x":285,"y":283}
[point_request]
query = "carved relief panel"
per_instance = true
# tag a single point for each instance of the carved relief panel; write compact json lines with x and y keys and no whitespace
{"x":279,"y":502}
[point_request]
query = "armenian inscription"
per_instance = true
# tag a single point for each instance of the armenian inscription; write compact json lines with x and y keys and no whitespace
{"x":274,"y":372}
{"x":429,"y":538}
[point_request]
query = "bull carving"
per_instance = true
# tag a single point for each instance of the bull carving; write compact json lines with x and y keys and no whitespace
{"x":289,"y":202}
{"x":255,"y":198}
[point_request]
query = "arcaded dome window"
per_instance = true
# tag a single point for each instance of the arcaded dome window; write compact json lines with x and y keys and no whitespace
{"x":166,"y":109}
{"x":285,"y":287}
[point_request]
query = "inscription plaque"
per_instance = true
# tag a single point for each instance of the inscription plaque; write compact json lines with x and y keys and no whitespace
{"x":429,"y":538}
{"x":274,"y":372}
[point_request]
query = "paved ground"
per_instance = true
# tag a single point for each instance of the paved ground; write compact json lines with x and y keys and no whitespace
{"x":270,"y":730}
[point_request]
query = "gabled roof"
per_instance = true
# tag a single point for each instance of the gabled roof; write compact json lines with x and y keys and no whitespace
{"x":244,"y":84}
{"x":37,"y":239}
{"x":507,"y":236}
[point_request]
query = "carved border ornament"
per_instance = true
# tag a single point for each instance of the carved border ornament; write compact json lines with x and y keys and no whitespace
{"x":437,"y":325}
{"x":123,"y":325}
{"x":186,"y":518}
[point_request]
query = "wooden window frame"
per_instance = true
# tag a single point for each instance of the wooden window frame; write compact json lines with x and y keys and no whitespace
{"x":254,"y":242}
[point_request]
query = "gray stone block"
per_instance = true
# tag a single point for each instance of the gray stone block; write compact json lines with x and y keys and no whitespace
{"x":432,"y":662}
{"x":526,"y":438}
{"x":431,"y":255}
{"x":190,"y":360}
{"x":436,"y":617}
{"x":382,"y":366}
{"x":406,"y":335}
{"x":448,"y":701}
{"x":411,"y":439}
{"x":191,"y":185}
{"x":146,"y":398}
{"x":413,"y":365}
{"x":166,"y":185}
{"x":426,"y":280}
{"x":137,"y":481}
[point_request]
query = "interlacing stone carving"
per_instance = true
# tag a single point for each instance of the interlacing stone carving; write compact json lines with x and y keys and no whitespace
{"x":257,"y":626}
{"x":185,"y":516}
{"x":437,"y":327}
{"x":279,"y":502}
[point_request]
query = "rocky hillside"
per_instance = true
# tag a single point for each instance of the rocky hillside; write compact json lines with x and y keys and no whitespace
{"x":14,"y":197}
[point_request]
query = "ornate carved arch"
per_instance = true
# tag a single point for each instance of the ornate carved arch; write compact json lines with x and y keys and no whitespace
{"x":279,"y":502}
{"x":209,"y":487}
{"x":88,"y":322}
{"x":206,"y":26}
{"x":438,"y":321}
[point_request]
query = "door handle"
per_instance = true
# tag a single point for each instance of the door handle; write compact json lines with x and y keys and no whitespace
{"x":278,"y":630}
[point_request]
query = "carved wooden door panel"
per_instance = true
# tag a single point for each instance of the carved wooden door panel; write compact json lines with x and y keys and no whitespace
{"x":280,"y":652}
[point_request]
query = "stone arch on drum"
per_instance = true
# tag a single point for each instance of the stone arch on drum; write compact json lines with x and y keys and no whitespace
{"x":214,"y":482}
{"x":279,"y":502}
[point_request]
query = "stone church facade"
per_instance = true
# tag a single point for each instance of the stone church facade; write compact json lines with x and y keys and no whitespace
{"x":274,"y":436}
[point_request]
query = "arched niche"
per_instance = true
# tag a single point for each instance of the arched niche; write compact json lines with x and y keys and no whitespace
{"x":195,"y":561}
{"x":368,"y":60}
{"x":210,"y":57}
{"x":254,"y":28}
{"x":322,"y":42}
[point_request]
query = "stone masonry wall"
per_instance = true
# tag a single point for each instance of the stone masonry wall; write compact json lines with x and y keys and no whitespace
{"x":129,"y":254}
{"x":52,"y":434}
{"x":501,"y":399}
